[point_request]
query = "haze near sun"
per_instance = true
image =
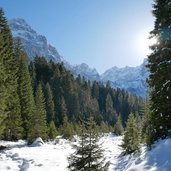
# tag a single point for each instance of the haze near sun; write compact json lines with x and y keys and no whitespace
{"x":143,"y":42}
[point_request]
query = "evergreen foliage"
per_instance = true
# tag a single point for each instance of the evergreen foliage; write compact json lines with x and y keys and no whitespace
{"x":78,"y":98}
{"x":89,"y":154}
{"x":3,"y":78}
{"x":13,"y":129}
{"x":25,"y":91}
{"x":118,"y":128}
{"x":50,"y":108}
{"x":131,"y":140}
{"x":160,"y":71}
{"x":52,"y":131}
{"x":110,"y":113}
{"x":147,"y":125}
{"x":38,"y":127}
{"x":25,"y":109}
{"x":67,"y":128}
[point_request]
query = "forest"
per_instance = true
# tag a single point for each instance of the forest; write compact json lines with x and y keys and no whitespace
{"x":42,"y":98}
{"x":41,"y":95}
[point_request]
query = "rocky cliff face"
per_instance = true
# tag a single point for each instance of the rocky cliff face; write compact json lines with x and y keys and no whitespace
{"x":33,"y":43}
{"x":132,"y":79}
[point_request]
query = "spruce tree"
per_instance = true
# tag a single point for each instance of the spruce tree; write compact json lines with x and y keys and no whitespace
{"x":3,"y":79}
{"x":32,"y":72}
{"x":67,"y":128}
{"x":110,"y":112}
{"x":118,"y":127}
{"x":50,"y":111}
{"x":38,"y":127}
{"x":160,"y":75}
{"x":52,"y":131}
{"x":25,"y":91}
{"x":3,"y":91}
{"x":131,"y":140}
{"x":89,"y":154}
{"x":13,"y":129}
{"x":147,"y":125}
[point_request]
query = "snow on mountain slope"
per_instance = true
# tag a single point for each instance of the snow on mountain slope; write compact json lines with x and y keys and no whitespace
{"x":84,"y":70}
{"x":132,"y":79}
{"x":35,"y":44}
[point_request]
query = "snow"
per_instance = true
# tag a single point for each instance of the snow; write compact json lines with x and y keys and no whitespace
{"x":158,"y":159}
{"x":52,"y":156}
{"x":37,"y":142}
{"x":132,"y":79}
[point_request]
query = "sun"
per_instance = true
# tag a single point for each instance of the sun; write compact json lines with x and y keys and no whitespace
{"x":143,"y":43}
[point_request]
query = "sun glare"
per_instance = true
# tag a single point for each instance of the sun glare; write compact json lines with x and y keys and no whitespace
{"x":143,"y":43}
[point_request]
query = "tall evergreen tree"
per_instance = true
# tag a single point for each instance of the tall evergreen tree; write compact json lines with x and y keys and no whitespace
{"x":3,"y":91}
{"x":52,"y":131}
{"x":160,"y":71}
{"x":110,"y":112}
{"x":147,"y":125}
{"x":13,"y":127}
{"x":38,"y":127}
{"x":67,"y":128}
{"x":25,"y":91}
{"x":131,"y":140}
{"x":118,"y":128}
{"x":50,"y":111}
{"x":88,"y":155}
{"x":32,"y":72}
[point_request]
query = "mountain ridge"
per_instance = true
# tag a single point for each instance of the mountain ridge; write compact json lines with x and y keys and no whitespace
{"x":132,"y":79}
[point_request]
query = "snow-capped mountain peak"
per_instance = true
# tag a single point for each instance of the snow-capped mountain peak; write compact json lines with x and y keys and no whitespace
{"x":33,"y":43}
{"x":132,"y":79}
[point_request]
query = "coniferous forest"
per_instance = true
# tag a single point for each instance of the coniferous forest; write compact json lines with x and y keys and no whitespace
{"x":41,"y":98}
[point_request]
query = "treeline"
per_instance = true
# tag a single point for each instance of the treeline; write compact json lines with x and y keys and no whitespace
{"x":39,"y":97}
{"x":78,"y":98}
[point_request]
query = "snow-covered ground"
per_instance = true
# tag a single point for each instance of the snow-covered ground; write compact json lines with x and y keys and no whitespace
{"x":52,"y":156}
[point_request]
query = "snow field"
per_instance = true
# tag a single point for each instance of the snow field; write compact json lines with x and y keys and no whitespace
{"x":52,"y":156}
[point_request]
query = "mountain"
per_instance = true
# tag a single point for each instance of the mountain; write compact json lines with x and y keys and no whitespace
{"x":86,"y":71}
{"x":131,"y":79}
{"x":35,"y":44}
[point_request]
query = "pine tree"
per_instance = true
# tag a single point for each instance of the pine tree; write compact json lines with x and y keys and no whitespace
{"x":38,"y":127}
{"x":131,"y":140}
{"x":118,"y":127}
{"x":32,"y":72}
{"x":63,"y":110}
{"x":50,"y":111}
{"x":3,"y":79}
{"x":147,"y":126}
{"x":52,"y":131}
{"x":160,"y":75}
{"x":67,"y":128}
{"x":13,"y":129}
{"x":110,"y":112}
{"x":88,"y":155}
{"x":3,"y":91}
{"x":105,"y":127}
{"x":25,"y":91}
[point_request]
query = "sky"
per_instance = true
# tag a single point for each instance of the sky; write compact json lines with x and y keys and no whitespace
{"x":101,"y":33}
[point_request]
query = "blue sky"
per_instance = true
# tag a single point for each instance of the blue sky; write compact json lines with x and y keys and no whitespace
{"x":101,"y":33}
